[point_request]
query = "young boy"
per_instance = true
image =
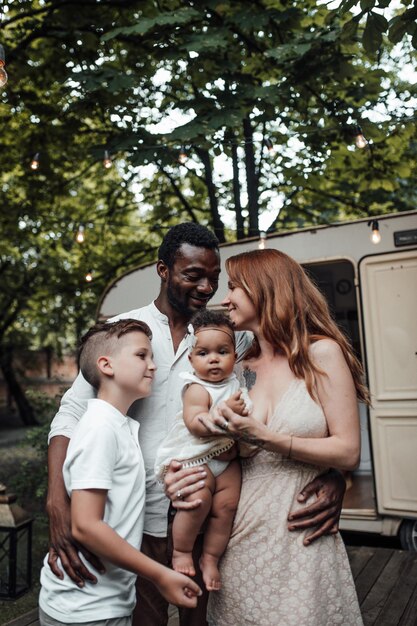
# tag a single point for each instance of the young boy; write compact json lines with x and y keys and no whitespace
{"x":105,"y":478}
{"x":213,"y":356}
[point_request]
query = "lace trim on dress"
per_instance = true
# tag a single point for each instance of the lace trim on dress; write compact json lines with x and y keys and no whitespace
{"x":200,"y":460}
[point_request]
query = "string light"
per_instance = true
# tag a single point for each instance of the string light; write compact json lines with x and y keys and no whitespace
{"x":107,"y":162}
{"x":359,"y":138}
{"x":183,"y":156}
{"x":262,"y":240}
{"x":354,"y":131}
{"x":375,"y":234}
{"x":34,"y":164}
{"x":3,"y":73}
{"x":80,"y":237}
{"x":270,"y":147}
{"x":89,"y":276}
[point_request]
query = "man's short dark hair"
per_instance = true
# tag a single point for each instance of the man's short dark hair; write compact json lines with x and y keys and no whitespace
{"x":188,"y":232}
{"x":102,"y":339}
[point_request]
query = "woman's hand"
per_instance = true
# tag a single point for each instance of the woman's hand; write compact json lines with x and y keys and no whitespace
{"x":210,"y":420}
{"x":325,"y":511}
{"x":180,"y":483}
{"x":238,"y":427}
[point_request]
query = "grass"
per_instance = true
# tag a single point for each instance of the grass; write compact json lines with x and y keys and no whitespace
{"x":10,"y":609}
{"x":15,"y":460}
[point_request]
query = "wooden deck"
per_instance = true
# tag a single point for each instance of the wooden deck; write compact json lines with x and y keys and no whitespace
{"x":386,"y":582}
{"x":28,"y":619}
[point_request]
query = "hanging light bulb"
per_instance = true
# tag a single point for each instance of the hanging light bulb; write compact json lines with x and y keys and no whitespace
{"x":3,"y":73}
{"x":183,"y":156}
{"x":107,"y":162}
{"x":270,"y":147}
{"x":34,"y":164}
{"x":359,"y":138}
{"x":262,"y":240}
{"x":89,"y":276}
{"x":375,"y":234}
{"x":80,"y":237}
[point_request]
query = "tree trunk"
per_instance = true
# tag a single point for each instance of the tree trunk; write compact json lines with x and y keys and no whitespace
{"x":26,"y":412}
{"x":218,"y":225}
{"x":240,"y":224}
{"x":251,"y":178}
{"x":179,"y":194}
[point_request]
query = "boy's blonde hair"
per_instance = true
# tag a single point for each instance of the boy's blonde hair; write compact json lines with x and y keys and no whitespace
{"x":102,"y":339}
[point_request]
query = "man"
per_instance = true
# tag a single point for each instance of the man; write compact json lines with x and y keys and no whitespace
{"x":189,"y":268}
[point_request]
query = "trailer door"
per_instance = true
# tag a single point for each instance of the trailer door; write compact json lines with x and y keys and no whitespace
{"x":389,"y":303}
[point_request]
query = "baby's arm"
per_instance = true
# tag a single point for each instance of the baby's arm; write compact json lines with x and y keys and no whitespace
{"x":88,"y":527}
{"x":196,"y":404}
{"x":241,"y":403}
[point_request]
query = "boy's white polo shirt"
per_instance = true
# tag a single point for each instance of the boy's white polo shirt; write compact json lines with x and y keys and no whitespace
{"x":103,"y":453}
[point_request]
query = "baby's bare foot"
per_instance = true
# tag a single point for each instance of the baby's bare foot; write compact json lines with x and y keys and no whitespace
{"x":183,"y":562}
{"x":210,"y":571}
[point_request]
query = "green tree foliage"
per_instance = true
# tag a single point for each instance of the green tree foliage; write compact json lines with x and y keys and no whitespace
{"x":225,"y":79}
{"x":242,"y":73}
{"x":370,"y":13}
{"x":44,"y":298}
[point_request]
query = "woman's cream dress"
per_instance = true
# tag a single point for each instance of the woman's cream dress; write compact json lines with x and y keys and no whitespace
{"x":269,"y":578}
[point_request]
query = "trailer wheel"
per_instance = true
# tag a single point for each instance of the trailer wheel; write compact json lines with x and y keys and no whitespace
{"x":408,"y":535}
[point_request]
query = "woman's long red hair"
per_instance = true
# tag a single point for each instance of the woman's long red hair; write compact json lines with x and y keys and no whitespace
{"x":292,"y":312}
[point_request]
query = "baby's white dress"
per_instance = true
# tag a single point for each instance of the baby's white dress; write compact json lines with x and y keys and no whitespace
{"x":181,"y":445}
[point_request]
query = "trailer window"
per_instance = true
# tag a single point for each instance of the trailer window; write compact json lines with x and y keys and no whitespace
{"x":336,"y":281}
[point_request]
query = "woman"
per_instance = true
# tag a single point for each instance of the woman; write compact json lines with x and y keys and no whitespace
{"x":305,"y":384}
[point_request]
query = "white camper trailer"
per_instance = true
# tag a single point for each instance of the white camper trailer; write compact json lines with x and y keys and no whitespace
{"x":372,"y":291}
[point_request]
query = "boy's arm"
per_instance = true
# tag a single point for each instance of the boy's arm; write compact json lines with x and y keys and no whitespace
{"x":62,"y":544}
{"x":88,"y":527}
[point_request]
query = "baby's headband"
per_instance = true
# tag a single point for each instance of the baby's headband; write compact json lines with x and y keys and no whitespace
{"x":192,"y":339}
{"x":221,"y":330}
